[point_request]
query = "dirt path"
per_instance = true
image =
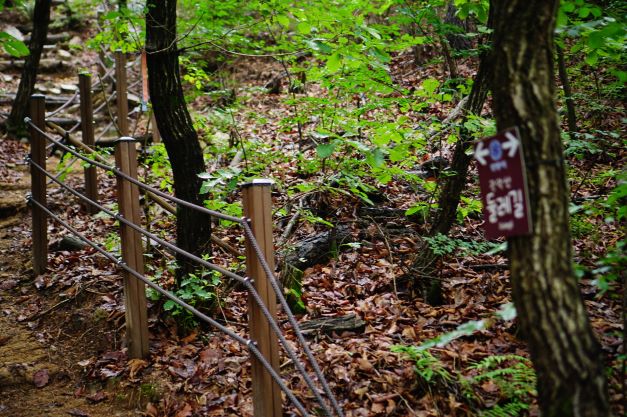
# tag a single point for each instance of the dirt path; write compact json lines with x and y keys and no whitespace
{"x":36,"y":375}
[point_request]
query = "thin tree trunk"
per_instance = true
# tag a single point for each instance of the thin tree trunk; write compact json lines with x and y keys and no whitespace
{"x":457,"y":41}
{"x":454,"y":183}
{"x":41,"y":20}
{"x":568,"y":92}
{"x":553,"y":319}
{"x":175,"y":126}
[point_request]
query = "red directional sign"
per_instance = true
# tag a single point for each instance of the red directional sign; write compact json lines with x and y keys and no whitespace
{"x":503,"y":185}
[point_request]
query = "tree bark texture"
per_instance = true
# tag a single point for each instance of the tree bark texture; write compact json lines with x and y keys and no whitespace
{"x":457,"y":40}
{"x":175,"y":126}
{"x":41,"y":20}
{"x":553,"y":319}
{"x":456,"y":182}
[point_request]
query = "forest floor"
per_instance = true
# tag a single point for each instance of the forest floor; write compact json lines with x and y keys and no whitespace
{"x":62,"y":335}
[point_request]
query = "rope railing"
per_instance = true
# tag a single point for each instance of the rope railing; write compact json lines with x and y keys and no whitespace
{"x":250,"y":344}
{"x":72,"y":99}
{"x":133,"y":181}
{"x":64,"y":105}
{"x":247,"y":230}
{"x":247,"y":282}
{"x":87,"y":112}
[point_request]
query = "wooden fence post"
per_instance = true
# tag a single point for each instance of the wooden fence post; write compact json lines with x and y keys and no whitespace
{"x":132,"y":251}
{"x":257,"y":203}
{"x":121,"y":93}
{"x":38,"y":184}
{"x":87,"y":127}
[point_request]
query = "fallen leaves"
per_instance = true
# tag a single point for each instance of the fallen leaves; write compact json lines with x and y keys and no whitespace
{"x":78,"y":413}
{"x":97,"y":397}
{"x":41,"y":378}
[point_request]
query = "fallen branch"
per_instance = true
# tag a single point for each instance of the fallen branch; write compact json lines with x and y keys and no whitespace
{"x":447,"y":122}
{"x":290,"y":225}
{"x":37,"y":316}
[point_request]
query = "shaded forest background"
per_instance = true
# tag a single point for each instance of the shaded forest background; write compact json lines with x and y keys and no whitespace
{"x":355,"y":113}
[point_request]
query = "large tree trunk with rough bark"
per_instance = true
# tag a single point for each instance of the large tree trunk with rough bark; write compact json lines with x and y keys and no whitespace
{"x":553,"y":319}
{"x":41,"y":19}
{"x":175,"y":126}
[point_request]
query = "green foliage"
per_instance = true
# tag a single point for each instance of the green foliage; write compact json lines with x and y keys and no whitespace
{"x":199,"y":291}
{"x":64,"y":166}
{"x":443,"y":245}
{"x":219,"y":186}
{"x":507,"y":312}
{"x":112,"y":242}
{"x":611,"y":266}
{"x":13,"y":46}
{"x":599,"y":35}
{"x":122,"y":30}
{"x":580,"y":226}
{"x":468,"y":207}
{"x":159,"y":164}
{"x":515,"y":378}
{"x":293,"y":287}
{"x":595,"y":142}
{"x":613,"y":210}
{"x":428,"y":367}
{"x":512,"y":375}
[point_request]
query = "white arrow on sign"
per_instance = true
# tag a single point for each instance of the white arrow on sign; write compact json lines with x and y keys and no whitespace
{"x":481,"y":153}
{"x":511,"y":144}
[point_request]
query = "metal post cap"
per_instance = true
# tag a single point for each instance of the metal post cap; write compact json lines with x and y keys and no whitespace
{"x":259,"y":181}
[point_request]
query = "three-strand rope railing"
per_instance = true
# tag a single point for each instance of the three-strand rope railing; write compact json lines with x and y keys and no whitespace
{"x":260,"y":283}
{"x":114,"y":77}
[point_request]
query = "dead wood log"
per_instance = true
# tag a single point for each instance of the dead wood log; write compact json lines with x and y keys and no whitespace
{"x":67,"y":243}
{"x":45,"y":65}
{"x":348,"y":323}
{"x":317,"y":249}
{"x":52,"y":38}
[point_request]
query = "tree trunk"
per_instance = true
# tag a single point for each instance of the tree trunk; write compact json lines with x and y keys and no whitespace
{"x":175,"y":126}
{"x":553,"y":319}
{"x":568,"y":92}
{"x":456,"y":182}
{"x":41,"y":19}
{"x":457,"y":41}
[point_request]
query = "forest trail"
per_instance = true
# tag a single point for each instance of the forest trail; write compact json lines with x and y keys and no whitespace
{"x":358,"y":147}
{"x":36,"y":377}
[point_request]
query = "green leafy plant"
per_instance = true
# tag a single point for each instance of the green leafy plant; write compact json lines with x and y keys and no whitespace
{"x":197,"y":290}
{"x":515,"y":379}
{"x":427,"y":366}
{"x":122,"y":30}
{"x":611,"y":267}
{"x":159,"y":163}
{"x":444,"y":245}
{"x":468,"y":206}
{"x":13,"y":46}
{"x":512,"y":375}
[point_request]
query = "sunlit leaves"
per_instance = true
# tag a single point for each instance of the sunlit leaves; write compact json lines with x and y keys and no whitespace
{"x":325,"y":150}
{"x":430,"y":85}
{"x":13,"y":46}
